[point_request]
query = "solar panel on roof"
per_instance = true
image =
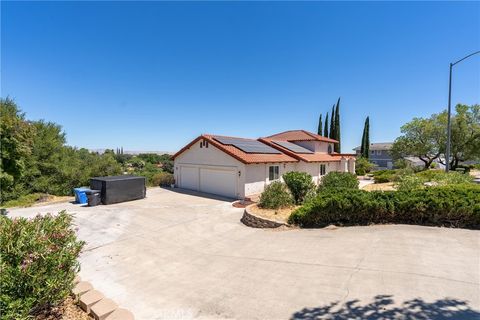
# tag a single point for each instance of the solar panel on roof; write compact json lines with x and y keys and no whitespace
{"x":248,"y":146}
{"x":292,"y":147}
{"x":228,"y":141}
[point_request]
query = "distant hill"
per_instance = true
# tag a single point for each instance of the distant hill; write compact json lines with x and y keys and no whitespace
{"x":133,"y":152}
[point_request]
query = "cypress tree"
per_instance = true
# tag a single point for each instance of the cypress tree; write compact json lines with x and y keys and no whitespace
{"x":338,"y":146}
{"x":325,"y":130}
{"x":367,"y":138}
{"x":332,"y":123}
{"x":364,"y":135}
{"x":320,"y":125}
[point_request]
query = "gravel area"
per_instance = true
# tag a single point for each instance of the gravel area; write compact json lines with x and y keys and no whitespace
{"x":272,"y":214}
{"x":379,"y":187}
{"x":67,"y":310}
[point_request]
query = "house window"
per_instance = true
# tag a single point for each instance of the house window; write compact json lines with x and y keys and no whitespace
{"x":273,"y":173}
{"x":372,"y":152}
{"x":323,"y":169}
{"x":329,"y":148}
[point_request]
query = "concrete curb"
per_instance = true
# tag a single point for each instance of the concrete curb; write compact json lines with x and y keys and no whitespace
{"x":96,"y":305}
{"x":251,"y":220}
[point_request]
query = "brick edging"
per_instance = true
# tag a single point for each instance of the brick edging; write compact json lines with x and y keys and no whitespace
{"x":251,"y":220}
{"x":96,"y":304}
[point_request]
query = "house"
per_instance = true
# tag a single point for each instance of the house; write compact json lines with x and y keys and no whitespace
{"x":239,"y":167}
{"x":379,"y":154}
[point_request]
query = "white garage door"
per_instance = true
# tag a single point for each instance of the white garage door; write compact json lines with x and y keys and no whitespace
{"x":189,"y":178}
{"x":219,"y":181}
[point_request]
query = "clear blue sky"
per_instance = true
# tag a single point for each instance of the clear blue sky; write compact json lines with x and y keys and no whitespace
{"x":154,"y":75}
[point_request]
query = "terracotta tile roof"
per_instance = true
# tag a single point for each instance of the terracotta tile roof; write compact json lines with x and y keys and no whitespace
{"x":239,"y":154}
{"x":307,"y":157}
{"x":286,"y":155}
{"x":299,"y":135}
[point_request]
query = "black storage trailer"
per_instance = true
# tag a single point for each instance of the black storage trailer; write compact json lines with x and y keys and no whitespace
{"x":117,"y":189}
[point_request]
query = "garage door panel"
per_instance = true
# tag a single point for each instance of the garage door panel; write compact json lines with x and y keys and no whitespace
{"x":189,"y":178}
{"x":221,"y":182}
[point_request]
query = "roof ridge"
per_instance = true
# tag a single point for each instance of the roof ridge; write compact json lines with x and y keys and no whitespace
{"x":311,"y":134}
{"x":221,"y":136}
{"x":279,"y":133}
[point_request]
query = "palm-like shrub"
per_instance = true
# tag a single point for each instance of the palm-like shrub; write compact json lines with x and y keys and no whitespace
{"x":339,"y":180}
{"x":300,"y":185}
{"x":363,"y":166}
{"x":275,"y":196}
{"x":409,"y":182}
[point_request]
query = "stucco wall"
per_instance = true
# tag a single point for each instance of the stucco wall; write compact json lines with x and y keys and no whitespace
{"x":313,"y":168}
{"x":210,"y":157}
{"x":316,"y":146}
{"x":207,"y":156}
{"x":256,"y":176}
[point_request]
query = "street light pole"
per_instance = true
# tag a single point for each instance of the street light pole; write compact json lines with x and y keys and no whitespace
{"x":449,"y":129}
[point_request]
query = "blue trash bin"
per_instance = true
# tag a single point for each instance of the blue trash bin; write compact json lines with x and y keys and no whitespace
{"x":80,"y":195}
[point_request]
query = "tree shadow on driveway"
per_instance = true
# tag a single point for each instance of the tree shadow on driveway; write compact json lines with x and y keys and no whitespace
{"x":383,"y":307}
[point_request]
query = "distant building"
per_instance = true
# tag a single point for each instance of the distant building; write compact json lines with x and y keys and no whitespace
{"x":379,"y":154}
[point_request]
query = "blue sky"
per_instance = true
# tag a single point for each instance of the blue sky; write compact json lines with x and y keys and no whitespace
{"x":154,"y":75}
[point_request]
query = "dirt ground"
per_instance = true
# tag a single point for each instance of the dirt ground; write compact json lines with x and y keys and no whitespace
{"x":68,"y":310}
{"x":53,"y":199}
{"x":272,"y":214}
{"x":388,"y":186}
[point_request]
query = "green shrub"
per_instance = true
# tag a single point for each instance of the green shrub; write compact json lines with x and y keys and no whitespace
{"x":430,"y":175}
{"x":409,"y":182}
{"x":401,"y":164}
{"x":383,"y":176}
{"x":275,"y":196}
{"x":339,"y":180}
{"x":300,"y":185}
{"x":363,"y":166}
{"x":38,"y":259}
{"x":443,"y":178}
{"x":163,"y":179}
{"x":451,"y":206}
{"x":453,"y":178}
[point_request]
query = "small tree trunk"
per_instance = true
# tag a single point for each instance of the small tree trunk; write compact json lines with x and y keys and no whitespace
{"x":428,"y":163}
{"x":454,"y":163}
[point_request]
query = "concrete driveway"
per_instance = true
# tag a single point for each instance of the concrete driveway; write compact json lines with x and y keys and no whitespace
{"x":181,"y":256}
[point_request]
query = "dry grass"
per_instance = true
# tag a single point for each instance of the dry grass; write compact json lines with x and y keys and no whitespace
{"x":67,"y":310}
{"x":35,"y":199}
{"x":475,"y":173}
{"x":50,"y":199}
{"x":388,"y":186}
{"x":280,"y":215}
